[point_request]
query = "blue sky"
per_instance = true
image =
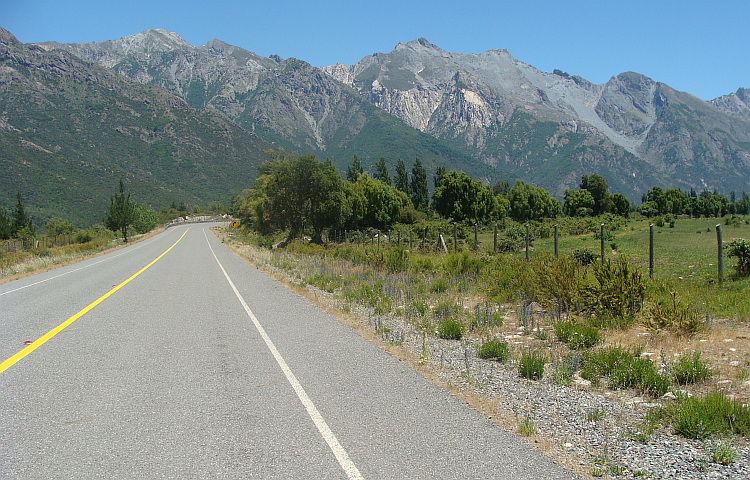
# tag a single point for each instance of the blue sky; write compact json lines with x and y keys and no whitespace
{"x":695,"y":46}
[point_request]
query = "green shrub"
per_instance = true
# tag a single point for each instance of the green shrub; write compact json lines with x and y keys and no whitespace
{"x":691,"y":369}
{"x":714,"y":414}
{"x":584,"y":256}
{"x":397,"y":259}
{"x":495,"y":350}
{"x":457,"y":264}
{"x":620,"y":288}
{"x":740,"y":248}
{"x":559,"y":280}
{"x":532,"y":364}
{"x":577,"y":336}
{"x":439,"y":285}
{"x":450,"y":329}
{"x":674,"y":317}
{"x":641,"y":374}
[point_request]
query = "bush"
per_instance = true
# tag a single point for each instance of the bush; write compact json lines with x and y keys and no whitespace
{"x":715,"y":414}
{"x":450,"y":329}
{"x":584,"y":256}
{"x":532,"y":364}
{"x":457,"y":264}
{"x":674,"y":317}
{"x":620,"y":288}
{"x":495,"y":350}
{"x":577,"y":336}
{"x":740,"y":248}
{"x":397,"y":259}
{"x":641,"y":374}
{"x":691,"y":369}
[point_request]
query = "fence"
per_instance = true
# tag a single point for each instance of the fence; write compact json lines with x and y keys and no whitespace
{"x":434,"y":239}
{"x":15,"y":245}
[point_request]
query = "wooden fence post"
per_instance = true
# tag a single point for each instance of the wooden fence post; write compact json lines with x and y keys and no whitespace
{"x":651,"y":251}
{"x":557,"y":251}
{"x":720,"y":254}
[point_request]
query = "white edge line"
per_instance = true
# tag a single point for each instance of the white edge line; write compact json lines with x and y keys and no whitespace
{"x":127,"y":250}
{"x":351,"y":470}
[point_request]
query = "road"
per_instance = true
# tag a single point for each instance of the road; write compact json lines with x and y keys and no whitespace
{"x":200,"y":366}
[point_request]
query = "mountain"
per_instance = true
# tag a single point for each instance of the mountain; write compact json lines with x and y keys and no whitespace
{"x":286,"y":101}
{"x":70,"y":129}
{"x":488,"y":114}
{"x":552,"y":127}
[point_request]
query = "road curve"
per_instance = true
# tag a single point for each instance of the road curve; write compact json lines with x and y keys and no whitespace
{"x":200,"y":366}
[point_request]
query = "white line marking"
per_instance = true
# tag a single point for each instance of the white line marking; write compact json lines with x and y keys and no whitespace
{"x":339,"y":452}
{"x":127,"y":250}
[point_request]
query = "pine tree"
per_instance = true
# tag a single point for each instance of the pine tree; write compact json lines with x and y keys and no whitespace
{"x":20,"y":220}
{"x":121,"y":213}
{"x":381,"y":172}
{"x":354,"y":169}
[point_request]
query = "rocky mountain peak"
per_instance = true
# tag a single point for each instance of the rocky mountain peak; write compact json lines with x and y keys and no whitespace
{"x":7,"y":38}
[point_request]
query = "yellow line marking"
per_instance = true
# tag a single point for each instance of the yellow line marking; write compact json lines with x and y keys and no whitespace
{"x":47,"y":336}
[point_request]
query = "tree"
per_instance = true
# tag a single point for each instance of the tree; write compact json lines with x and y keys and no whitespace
{"x":21,"y":225}
{"x":354,"y":169}
{"x":121,"y":213}
{"x":373,"y":204}
{"x":437,"y":180}
{"x":145,"y":218}
{"x":597,"y":186}
{"x":531,"y":203}
{"x":461,"y":198}
{"x":297,"y":193}
{"x":620,"y":205}
{"x":381,"y":172}
{"x":5,"y":222}
{"x":58,"y":226}
{"x":578,"y":203}
{"x":401,"y":180}
{"x":420,"y":196}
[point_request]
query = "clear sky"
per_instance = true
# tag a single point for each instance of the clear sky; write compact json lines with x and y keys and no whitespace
{"x":693,"y":46}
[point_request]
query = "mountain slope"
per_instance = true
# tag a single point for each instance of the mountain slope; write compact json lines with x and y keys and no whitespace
{"x":488,"y":114}
{"x":288,"y":102}
{"x":634,"y":131}
{"x":69,"y":130}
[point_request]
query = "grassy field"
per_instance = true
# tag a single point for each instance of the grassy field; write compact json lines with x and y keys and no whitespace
{"x":685,"y":260}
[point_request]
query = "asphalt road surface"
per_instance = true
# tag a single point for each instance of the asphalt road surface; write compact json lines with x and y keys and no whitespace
{"x":174,"y":358}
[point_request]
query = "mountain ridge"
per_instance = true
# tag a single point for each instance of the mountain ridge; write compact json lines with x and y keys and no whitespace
{"x":489,"y":114}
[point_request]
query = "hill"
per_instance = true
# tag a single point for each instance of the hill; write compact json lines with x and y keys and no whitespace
{"x":69,"y":130}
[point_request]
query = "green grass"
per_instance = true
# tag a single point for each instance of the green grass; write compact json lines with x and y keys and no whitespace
{"x":685,"y":259}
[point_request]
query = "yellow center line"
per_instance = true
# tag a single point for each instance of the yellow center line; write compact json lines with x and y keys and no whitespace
{"x":41,"y":340}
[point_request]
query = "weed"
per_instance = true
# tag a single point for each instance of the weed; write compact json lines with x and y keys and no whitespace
{"x":450,"y":329}
{"x":532,"y":364}
{"x":699,"y":418}
{"x":740,"y":248}
{"x":565,"y":368}
{"x":596,"y":414}
{"x":674,"y":317}
{"x":722,"y":453}
{"x":439,"y":285}
{"x":526,"y":427}
{"x":690,"y":369}
{"x":577,"y":336}
{"x":495,"y":350}
{"x":596,"y":472}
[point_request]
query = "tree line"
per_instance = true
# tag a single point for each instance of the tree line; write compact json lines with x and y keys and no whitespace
{"x":300,"y":194}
